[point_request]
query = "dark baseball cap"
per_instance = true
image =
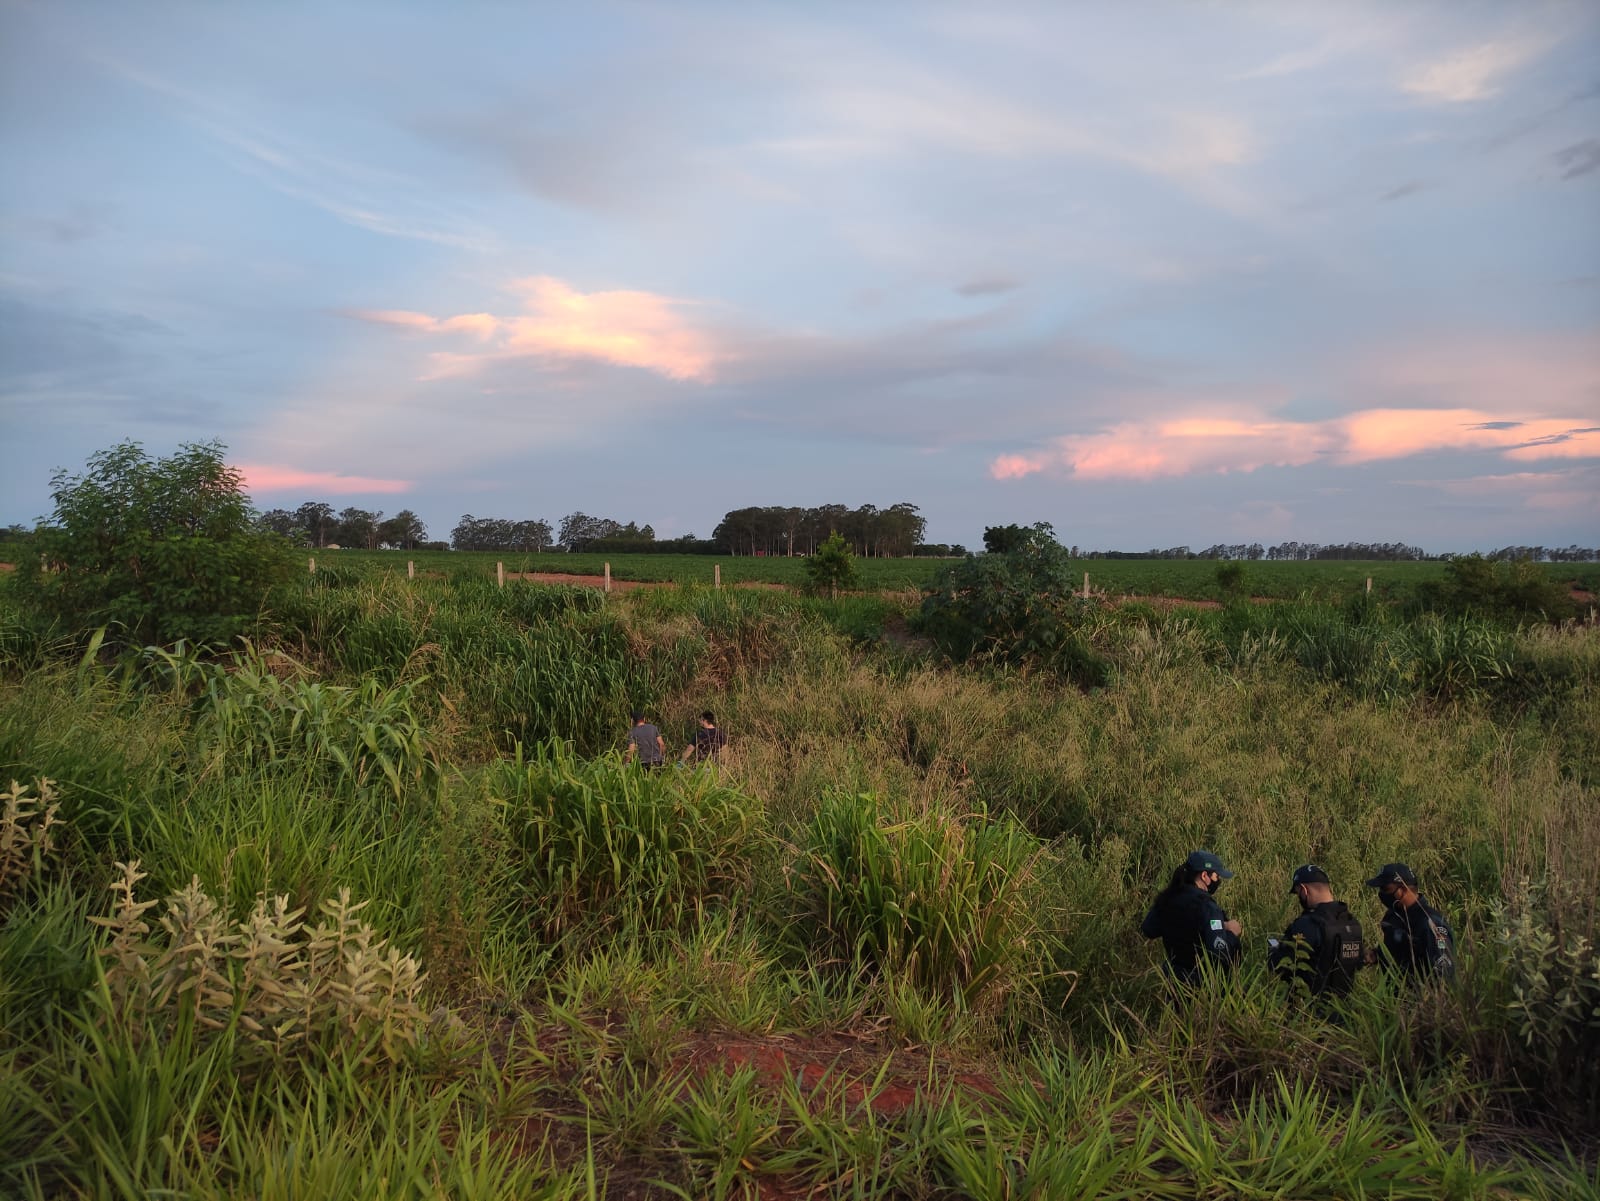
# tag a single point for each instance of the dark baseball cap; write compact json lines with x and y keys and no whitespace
{"x":1205,"y":861}
{"x":1391,"y":872}
{"x":1308,"y":874}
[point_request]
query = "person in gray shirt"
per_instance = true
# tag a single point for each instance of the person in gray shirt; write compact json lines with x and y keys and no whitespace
{"x":645,"y":741}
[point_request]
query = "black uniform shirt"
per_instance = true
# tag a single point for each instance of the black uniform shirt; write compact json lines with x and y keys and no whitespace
{"x":1417,"y":941}
{"x":1191,"y":925}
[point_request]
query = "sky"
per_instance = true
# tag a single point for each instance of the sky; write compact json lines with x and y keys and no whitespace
{"x":1159,"y":274}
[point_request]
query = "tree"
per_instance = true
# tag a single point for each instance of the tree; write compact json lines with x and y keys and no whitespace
{"x":160,"y":549}
{"x":832,"y":567}
{"x":404,"y":530}
{"x":1014,"y":606}
{"x":1001,"y":539}
{"x":315,"y":517}
{"x":359,"y":528}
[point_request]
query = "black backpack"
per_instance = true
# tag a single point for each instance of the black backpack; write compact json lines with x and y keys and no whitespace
{"x":1343,"y":950}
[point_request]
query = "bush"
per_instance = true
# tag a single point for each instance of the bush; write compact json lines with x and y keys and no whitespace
{"x":612,"y":844}
{"x":1015,"y":606}
{"x":161,"y":548}
{"x":944,"y":903}
{"x":831,"y":567}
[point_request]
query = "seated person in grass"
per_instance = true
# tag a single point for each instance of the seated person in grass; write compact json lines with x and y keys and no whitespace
{"x":1322,"y":948}
{"x":1189,"y":922}
{"x":708,"y":741}
{"x":645,"y":741}
{"x":1416,"y":939}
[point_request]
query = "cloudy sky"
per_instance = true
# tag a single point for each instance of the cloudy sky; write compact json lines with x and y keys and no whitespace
{"x":1156,"y":273}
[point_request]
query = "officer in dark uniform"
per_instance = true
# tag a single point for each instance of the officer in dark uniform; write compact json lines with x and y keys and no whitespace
{"x":1189,"y":922}
{"x":1322,"y":948}
{"x":1417,"y":944}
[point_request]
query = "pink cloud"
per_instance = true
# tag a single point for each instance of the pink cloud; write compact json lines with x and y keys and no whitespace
{"x":625,"y":328}
{"x":266,"y":477}
{"x":1203,"y":444}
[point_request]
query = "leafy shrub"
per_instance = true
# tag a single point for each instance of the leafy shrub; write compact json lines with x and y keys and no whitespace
{"x":949,"y":904}
{"x":611,"y":844}
{"x":284,"y":984}
{"x":1515,"y":590}
{"x":1013,"y":607}
{"x":160,"y":549}
{"x":1549,"y":980}
{"x":830,"y":567}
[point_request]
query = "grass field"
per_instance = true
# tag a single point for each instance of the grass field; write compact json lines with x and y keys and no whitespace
{"x":1194,"y":579}
{"x":887,"y":950}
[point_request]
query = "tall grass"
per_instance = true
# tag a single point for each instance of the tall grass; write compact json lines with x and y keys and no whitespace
{"x":594,"y":934}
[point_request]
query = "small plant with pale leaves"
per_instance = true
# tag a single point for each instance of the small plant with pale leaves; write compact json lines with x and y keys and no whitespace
{"x":25,"y":824}
{"x":284,"y":982}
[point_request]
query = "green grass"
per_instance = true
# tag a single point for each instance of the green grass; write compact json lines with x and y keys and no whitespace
{"x":1195,"y":579}
{"x":920,"y":883}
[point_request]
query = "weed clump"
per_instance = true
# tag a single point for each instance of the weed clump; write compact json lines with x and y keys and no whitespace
{"x":605,"y":845}
{"x":280,"y":981}
{"x":946,"y":903}
{"x":25,"y":838}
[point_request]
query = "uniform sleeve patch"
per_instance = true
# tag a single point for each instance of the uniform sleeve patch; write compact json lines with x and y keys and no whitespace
{"x":1216,"y":923}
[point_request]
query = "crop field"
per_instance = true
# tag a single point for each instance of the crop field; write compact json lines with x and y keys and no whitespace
{"x":1186,"y":578}
{"x":370,"y":905}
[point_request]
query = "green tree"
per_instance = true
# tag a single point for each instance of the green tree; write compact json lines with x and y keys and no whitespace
{"x":159,"y":549}
{"x":1014,"y":606}
{"x":404,"y":530}
{"x":832,"y":567}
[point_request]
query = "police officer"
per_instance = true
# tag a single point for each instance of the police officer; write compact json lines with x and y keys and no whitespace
{"x":1416,"y":939}
{"x":1189,"y":922}
{"x":1322,"y":948}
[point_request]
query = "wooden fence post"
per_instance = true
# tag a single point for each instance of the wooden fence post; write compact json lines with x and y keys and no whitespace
{"x":311,"y":565}
{"x":411,"y":570}
{"x":608,"y":577}
{"x":1086,"y":585}
{"x":1369,"y":583}
{"x":500,"y":573}
{"x":716,"y":575}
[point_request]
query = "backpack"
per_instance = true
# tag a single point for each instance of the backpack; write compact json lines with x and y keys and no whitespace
{"x":1343,"y":950}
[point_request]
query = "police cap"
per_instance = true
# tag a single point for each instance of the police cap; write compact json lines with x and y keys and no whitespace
{"x":1205,"y":861}
{"x":1389,"y":873}
{"x":1309,"y":874}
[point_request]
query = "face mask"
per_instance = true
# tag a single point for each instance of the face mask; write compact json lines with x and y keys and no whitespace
{"x":1214,"y":885}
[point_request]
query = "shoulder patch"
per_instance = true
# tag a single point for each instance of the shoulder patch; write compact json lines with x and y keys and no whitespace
{"x":1216,"y":923}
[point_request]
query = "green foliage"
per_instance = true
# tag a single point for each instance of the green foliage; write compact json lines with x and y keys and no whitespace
{"x":158,"y":549}
{"x":948,"y":904}
{"x":260,"y":710}
{"x":1230,"y":579}
{"x":1514,"y":590}
{"x":1003,"y":539}
{"x":605,"y":844}
{"x":831,"y":567}
{"x":1015,"y":607}
{"x":1549,"y":983}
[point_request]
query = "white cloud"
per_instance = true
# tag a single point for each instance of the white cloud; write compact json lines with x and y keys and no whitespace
{"x":1472,"y":74}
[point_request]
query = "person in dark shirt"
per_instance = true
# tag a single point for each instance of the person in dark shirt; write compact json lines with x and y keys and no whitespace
{"x":1322,"y":949}
{"x":708,"y":741}
{"x":1192,"y":927}
{"x":1417,"y":944}
{"x":645,"y":741}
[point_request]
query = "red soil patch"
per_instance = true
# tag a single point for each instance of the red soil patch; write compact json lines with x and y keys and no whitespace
{"x":8,"y":566}
{"x":837,"y":1067}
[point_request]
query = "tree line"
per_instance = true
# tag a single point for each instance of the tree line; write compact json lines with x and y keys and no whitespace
{"x":792,"y":530}
{"x":316,"y":524}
